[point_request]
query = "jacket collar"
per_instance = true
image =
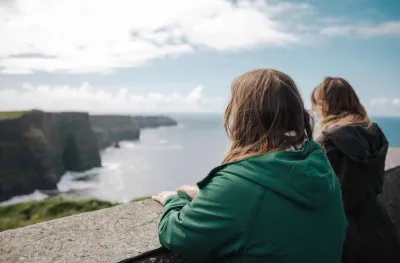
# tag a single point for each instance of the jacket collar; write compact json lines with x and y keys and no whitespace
{"x":215,"y":170}
{"x":210,"y":175}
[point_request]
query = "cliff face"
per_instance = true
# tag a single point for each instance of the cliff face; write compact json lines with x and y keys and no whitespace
{"x":110,"y":129}
{"x":154,"y":121}
{"x":37,"y":148}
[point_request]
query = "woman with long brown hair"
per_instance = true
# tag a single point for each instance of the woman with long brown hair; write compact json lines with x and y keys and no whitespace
{"x":356,"y":148}
{"x":275,"y":198}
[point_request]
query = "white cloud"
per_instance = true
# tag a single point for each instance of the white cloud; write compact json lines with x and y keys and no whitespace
{"x":101,"y":35}
{"x":383,"y":106}
{"x":89,"y":99}
{"x":385,"y":102}
{"x":390,"y":28}
{"x":379,"y":101}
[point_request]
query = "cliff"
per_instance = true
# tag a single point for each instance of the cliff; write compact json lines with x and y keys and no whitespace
{"x":37,"y":148}
{"x":114,"y":234}
{"x":110,"y":129}
{"x":154,"y":121}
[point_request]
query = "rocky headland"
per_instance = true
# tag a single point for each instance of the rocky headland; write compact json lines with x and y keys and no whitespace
{"x":37,"y":148}
{"x":110,"y":129}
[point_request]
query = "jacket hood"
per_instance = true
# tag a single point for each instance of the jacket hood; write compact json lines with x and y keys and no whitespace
{"x":304,"y":176}
{"x":361,"y":143}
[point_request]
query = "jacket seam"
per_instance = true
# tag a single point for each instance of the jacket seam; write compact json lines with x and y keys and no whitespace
{"x":251,"y":224}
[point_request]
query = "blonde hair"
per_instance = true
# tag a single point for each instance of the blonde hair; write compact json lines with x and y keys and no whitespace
{"x":265,"y":104}
{"x":337,"y":104}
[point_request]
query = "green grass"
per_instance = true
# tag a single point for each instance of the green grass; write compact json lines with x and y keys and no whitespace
{"x":10,"y":114}
{"x":32,"y":212}
{"x":13,"y":114}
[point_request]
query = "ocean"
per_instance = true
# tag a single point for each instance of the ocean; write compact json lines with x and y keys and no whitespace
{"x":163,"y":159}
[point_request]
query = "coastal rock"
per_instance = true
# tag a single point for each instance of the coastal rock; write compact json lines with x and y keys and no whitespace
{"x":110,"y":129}
{"x":37,"y":148}
{"x":154,"y":121}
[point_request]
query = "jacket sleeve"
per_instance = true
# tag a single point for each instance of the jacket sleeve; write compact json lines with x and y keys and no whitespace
{"x":211,"y":225}
{"x":354,"y":187}
{"x":334,"y":155}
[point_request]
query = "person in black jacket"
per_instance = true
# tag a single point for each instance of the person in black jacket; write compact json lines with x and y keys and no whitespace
{"x":356,"y":148}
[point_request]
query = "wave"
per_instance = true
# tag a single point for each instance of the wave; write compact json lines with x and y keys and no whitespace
{"x":35,"y":196}
{"x":70,"y":181}
{"x":77,"y":181}
{"x":110,"y":166}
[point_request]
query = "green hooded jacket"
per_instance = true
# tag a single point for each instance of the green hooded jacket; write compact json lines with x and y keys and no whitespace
{"x":281,"y":207}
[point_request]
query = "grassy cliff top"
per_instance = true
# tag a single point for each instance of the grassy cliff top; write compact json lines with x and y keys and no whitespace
{"x":32,"y":212}
{"x":11,"y":114}
{"x":14,"y":114}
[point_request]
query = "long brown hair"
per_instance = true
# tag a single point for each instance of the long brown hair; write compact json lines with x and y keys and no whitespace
{"x":265,"y":104}
{"x":337,"y":104}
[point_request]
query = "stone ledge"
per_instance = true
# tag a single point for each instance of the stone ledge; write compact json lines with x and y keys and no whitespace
{"x":393,"y":158}
{"x":107,"y":235}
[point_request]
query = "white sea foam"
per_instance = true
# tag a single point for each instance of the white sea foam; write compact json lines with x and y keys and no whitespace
{"x":37,"y":195}
{"x":111,"y":166}
{"x":76,"y":181}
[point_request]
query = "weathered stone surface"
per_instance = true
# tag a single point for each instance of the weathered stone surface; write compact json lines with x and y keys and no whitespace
{"x":393,"y":158}
{"x":108,"y":235}
{"x":38,"y":147}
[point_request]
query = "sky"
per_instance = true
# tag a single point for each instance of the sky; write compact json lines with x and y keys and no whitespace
{"x":157,"y":56}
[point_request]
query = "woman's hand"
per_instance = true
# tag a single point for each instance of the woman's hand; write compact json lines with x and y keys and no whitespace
{"x":192,"y":191}
{"x":161,"y":197}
